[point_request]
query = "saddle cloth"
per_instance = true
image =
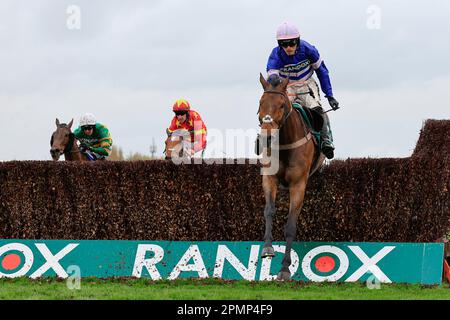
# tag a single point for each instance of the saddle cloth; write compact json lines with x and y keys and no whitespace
{"x":313,"y":120}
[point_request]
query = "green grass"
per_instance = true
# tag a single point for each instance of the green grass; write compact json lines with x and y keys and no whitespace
{"x":138,"y":289}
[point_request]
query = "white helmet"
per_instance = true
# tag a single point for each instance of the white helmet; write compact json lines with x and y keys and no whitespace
{"x":287,"y":31}
{"x":88,"y":119}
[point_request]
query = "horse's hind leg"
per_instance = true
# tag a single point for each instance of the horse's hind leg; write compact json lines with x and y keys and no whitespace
{"x":297,"y":194}
{"x":270,"y":192}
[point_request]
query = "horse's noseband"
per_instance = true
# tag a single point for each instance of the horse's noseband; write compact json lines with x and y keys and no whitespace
{"x":267,"y":119}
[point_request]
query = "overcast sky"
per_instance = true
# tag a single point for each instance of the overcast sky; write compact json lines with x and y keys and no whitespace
{"x":130,"y":60}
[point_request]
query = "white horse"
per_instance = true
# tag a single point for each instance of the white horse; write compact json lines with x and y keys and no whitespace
{"x":179,"y":145}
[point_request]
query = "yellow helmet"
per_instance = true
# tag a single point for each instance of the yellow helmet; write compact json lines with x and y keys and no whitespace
{"x":181,"y":105}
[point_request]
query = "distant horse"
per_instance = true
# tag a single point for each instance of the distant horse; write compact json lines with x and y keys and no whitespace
{"x":63,"y":142}
{"x":178,"y":144}
{"x":297,"y":160}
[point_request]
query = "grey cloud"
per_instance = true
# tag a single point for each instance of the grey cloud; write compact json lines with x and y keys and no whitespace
{"x":163,"y":43}
{"x":130,"y":60}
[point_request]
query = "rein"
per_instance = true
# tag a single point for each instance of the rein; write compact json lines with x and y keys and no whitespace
{"x":69,"y":146}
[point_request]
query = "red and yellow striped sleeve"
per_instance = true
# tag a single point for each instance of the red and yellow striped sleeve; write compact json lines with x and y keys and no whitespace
{"x":200,"y":132}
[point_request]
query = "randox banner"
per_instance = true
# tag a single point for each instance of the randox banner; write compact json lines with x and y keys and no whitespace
{"x":311,"y":261}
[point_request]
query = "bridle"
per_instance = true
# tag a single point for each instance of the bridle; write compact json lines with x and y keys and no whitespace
{"x":182,"y":141}
{"x":268,"y":118}
{"x":69,"y":145}
{"x":173,"y":148}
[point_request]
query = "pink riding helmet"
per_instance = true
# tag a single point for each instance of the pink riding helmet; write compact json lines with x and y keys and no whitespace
{"x":287,"y":31}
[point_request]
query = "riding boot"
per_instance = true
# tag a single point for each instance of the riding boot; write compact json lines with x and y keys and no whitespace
{"x":327,"y":137}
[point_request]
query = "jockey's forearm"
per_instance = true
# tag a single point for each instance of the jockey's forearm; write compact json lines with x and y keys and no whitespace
{"x":101,"y":151}
{"x":324,"y":79}
{"x":199,"y":145}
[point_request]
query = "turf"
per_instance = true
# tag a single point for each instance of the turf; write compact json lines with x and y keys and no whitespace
{"x":142,"y":289}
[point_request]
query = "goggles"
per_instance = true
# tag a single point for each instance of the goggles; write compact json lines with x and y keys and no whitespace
{"x":288,"y":43}
{"x":86,"y":128}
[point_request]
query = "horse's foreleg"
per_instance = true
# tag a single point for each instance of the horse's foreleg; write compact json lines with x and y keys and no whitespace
{"x":270,"y":192}
{"x":297,"y":194}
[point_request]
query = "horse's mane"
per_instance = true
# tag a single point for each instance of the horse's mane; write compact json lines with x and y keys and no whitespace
{"x":181,"y":133}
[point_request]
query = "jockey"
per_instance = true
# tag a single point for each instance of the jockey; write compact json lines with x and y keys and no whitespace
{"x":190,"y":120}
{"x":95,"y":139}
{"x":297,"y":60}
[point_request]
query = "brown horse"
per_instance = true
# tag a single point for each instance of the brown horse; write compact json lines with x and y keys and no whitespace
{"x":296,"y":160}
{"x":63,"y":142}
{"x":178,"y":145}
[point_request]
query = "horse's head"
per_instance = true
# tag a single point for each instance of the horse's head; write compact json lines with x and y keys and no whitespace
{"x":61,"y":140}
{"x":178,"y":144}
{"x":274,"y":105}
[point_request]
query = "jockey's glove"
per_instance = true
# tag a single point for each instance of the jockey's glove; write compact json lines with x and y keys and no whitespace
{"x":84,"y":147}
{"x":333,"y":102}
{"x":274,"y":79}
